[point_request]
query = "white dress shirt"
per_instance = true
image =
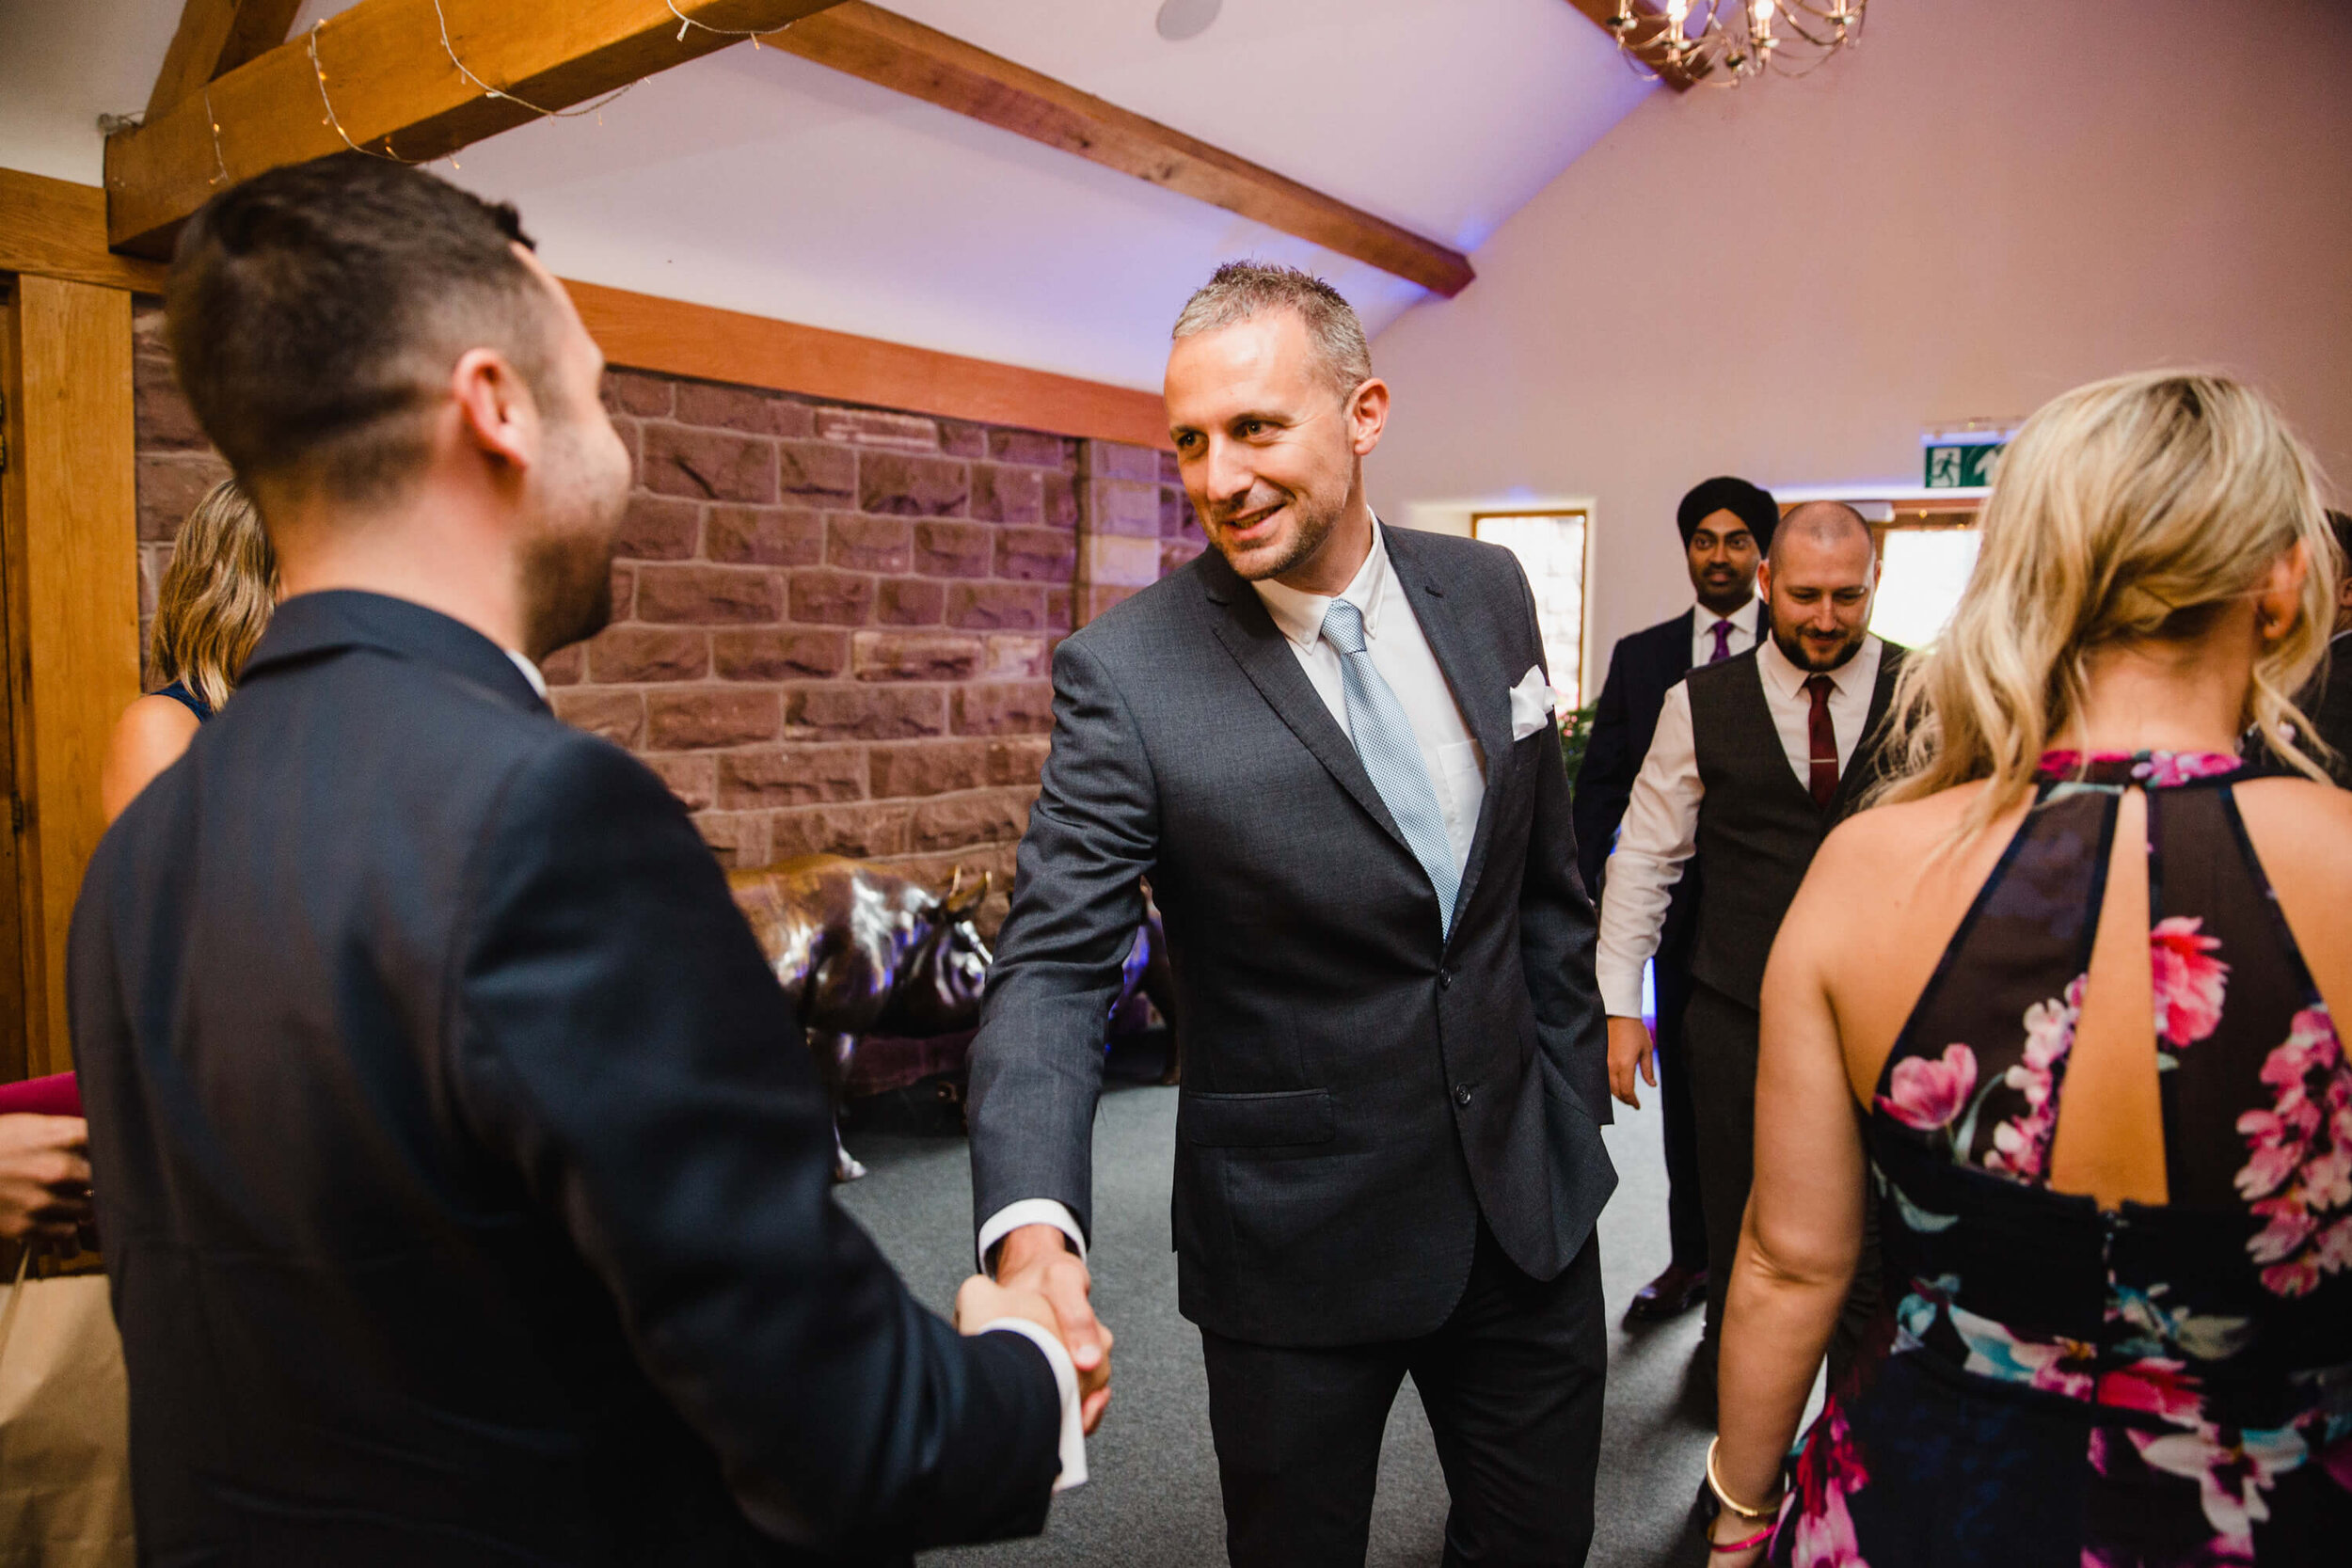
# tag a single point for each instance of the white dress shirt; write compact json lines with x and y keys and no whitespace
{"x":1746,"y":630}
{"x":1661,"y":820}
{"x":1457,"y":767}
{"x":531,"y":672}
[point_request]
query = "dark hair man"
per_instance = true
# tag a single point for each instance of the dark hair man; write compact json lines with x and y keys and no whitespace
{"x":1329,"y":744}
{"x":1726,"y":525}
{"x":465,"y":1187}
{"x":1753,"y":761}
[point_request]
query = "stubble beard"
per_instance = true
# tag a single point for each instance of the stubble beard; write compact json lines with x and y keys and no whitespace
{"x":567,"y":569}
{"x":1311,"y":528}
{"x":1793,"y":648}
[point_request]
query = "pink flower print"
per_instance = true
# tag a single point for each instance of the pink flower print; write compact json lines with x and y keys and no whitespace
{"x":2189,"y":980}
{"x":1828,"y":1470}
{"x":2297,"y":1176}
{"x":2166,"y":769}
{"x":1930,"y":1095}
{"x":2159,"y":1386}
{"x":2021,"y":1144}
{"x":2234,"y":1471}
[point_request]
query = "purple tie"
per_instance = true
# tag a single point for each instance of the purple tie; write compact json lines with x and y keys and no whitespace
{"x":1722,"y":642}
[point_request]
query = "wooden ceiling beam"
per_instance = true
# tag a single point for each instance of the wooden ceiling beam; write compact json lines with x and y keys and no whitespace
{"x":392,"y":84}
{"x":215,"y":38}
{"x":1604,"y":14}
{"x":879,"y":46}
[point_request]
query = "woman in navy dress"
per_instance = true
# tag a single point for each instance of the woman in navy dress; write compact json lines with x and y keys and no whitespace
{"x":210,"y":610}
{"x":2060,"y":1008}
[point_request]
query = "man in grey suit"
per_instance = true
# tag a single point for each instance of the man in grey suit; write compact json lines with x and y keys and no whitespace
{"x":1329,"y":746}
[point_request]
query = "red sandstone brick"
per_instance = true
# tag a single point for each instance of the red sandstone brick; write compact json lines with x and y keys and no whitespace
{"x":638,"y":393}
{"x":1017,"y":761}
{"x":900,"y":656}
{"x":873,"y":427}
{"x":859,"y":543}
{"x":1118,"y":460}
{"x":911,"y":602}
{"x":831,"y":598}
{"x":1014,"y":657}
{"x":1006,"y":494}
{"x":617,"y":716}
{"x":165,"y":422}
{"x":1005,"y":707}
{"x":1036,"y":554}
{"x":780,"y":654}
{"x":954,"y":550}
{"x":794,"y":776}
{"x":846,"y":712}
{"x":148,"y":326}
{"x":1058,"y":609}
{"x":928,"y":768}
{"x":624,"y":592}
{"x":985,"y":816}
{"x":565,"y":665}
{"x":901,"y":485}
{"x":745,"y":409}
{"x":169,"y":485}
{"x":1175,"y":554}
{"x":738,"y":839}
{"x":764,"y":536}
{"x":710,"y":716}
{"x":865,"y":831}
{"x":706,"y":596}
{"x":629,"y":655}
{"x":708,"y":465}
{"x":1177,"y":519}
{"x":659,"y":529}
{"x":818,"y":473}
{"x":1061,"y":500}
{"x":997,"y":606}
{"x":961,"y":438}
{"x":1028,"y":447}
{"x":1096,"y":598}
{"x":1171,"y":472}
{"x":694,"y":780}
{"x":628,"y":430}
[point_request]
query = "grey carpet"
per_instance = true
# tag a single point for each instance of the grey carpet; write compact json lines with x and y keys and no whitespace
{"x":1152,"y":1501}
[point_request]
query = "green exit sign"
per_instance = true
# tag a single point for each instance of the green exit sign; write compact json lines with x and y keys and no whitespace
{"x":1963,"y":460}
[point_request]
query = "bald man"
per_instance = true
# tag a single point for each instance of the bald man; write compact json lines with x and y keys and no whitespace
{"x":1755,"y":760}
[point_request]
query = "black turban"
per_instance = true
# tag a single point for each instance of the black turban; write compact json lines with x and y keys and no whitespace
{"x":1752,"y":504}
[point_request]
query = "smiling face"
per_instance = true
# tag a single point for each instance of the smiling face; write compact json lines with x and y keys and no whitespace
{"x":1723,"y":561}
{"x":1272,"y":452}
{"x":1818,"y":585}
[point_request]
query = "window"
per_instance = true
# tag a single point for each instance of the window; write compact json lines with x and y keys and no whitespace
{"x":1921,"y":573}
{"x":1552,"y":550}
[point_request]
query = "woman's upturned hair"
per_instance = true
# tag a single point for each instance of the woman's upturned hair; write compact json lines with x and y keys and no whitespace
{"x":216,"y":597}
{"x":2128,"y":510}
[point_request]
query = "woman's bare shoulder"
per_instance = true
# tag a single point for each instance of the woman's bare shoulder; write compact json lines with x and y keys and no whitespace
{"x":1864,"y":840}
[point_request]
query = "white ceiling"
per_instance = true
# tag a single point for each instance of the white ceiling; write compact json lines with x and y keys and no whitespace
{"x":756,"y":180}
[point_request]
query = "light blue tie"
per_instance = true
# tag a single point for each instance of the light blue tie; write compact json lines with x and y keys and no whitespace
{"x":1391,"y":755}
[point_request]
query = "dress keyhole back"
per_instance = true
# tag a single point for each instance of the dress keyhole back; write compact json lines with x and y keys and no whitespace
{"x":2109,"y":1140}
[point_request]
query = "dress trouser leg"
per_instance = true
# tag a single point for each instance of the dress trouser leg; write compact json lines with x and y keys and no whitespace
{"x":1720,"y":1042}
{"x":1511,"y":1383}
{"x":1686,"y":1214}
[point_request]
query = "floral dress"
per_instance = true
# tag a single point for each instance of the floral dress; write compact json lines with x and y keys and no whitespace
{"x":2056,"y":1383}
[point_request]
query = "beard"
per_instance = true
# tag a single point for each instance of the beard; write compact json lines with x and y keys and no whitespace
{"x":1806,"y":659}
{"x":1310,"y":530}
{"x":567,"y":566}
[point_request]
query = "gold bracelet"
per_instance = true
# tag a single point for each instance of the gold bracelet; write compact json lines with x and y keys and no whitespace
{"x":1731,"y":1505}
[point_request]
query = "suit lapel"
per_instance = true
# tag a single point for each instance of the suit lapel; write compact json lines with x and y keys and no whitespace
{"x":1264,"y":655}
{"x":1483,"y":693}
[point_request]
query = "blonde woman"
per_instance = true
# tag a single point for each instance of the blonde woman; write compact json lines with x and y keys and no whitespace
{"x":2060,"y":1008}
{"x":214,"y":600}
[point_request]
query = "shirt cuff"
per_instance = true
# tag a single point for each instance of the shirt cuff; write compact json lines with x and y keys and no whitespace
{"x":1073,"y":1433}
{"x":1030,"y":1210}
{"x":1620,"y":992}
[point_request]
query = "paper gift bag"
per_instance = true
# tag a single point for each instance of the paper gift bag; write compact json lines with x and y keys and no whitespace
{"x":65,"y":1427}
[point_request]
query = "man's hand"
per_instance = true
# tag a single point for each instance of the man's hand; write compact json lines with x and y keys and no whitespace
{"x":44,"y":1179}
{"x":1038,"y":1258}
{"x":1630,"y":1047}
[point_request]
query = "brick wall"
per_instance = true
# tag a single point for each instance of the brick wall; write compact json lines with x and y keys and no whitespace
{"x":832,"y":626}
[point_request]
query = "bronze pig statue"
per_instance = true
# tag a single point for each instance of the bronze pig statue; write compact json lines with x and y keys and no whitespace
{"x":862,"y":951}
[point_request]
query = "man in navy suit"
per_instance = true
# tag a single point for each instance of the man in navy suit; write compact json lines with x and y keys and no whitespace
{"x":1726,"y":527}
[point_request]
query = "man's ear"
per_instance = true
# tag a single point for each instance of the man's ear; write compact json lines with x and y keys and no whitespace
{"x":1764,"y":579}
{"x":496,"y":410}
{"x":1368,"y":416}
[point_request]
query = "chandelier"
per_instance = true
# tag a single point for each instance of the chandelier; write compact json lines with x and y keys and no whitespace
{"x":1729,"y":41}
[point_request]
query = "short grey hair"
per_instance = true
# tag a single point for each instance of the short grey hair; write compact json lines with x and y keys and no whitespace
{"x":1242,"y":290}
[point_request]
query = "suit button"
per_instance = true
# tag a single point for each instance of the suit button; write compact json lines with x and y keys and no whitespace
{"x":1461,"y":1094}
{"x":1445,"y":979}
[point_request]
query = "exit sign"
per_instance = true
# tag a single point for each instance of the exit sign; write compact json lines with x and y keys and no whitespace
{"x":1961,"y":459}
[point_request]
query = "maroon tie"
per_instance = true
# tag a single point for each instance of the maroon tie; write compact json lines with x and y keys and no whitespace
{"x":1821,"y":742}
{"x":1722,"y":642}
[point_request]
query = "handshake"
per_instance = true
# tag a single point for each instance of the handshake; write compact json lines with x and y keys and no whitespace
{"x":1039,"y":1278}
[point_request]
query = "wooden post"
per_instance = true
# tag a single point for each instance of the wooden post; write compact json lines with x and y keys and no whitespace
{"x":70,"y":515}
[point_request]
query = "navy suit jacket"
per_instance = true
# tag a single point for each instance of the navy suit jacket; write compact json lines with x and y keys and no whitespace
{"x":464,"y":1177}
{"x":1360,"y":1088}
{"x":1643,"y":668}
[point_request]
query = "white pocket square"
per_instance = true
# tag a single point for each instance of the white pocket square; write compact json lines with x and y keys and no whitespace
{"x":1533,"y":703}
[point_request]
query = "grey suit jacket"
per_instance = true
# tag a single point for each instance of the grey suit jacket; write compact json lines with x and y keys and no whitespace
{"x":1358,"y":1089}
